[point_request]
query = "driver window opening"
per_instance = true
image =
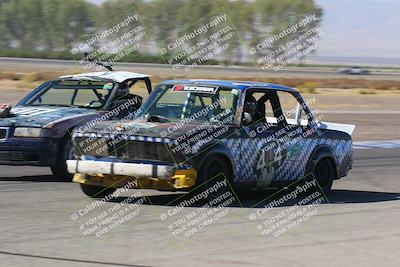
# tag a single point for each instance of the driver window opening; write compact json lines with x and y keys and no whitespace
{"x":262,"y":107}
{"x":274,"y":108}
{"x":129,"y":92}
{"x":291,"y":109}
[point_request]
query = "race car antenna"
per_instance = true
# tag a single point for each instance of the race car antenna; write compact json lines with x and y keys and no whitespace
{"x":103,"y":64}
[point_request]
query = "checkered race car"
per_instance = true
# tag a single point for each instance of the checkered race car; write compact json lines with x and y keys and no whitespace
{"x":257,"y":135}
{"x":37,"y":131}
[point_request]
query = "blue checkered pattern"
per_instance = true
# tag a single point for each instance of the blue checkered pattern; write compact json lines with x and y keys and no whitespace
{"x":294,"y":167}
{"x":245,"y":154}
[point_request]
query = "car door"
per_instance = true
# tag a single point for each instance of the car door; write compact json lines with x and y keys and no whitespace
{"x":298,"y":137}
{"x":267,"y":155}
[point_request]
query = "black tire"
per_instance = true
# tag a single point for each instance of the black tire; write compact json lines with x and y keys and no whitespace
{"x":324,"y":173}
{"x":65,"y":152}
{"x":214,"y":169}
{"x":96,"y":191}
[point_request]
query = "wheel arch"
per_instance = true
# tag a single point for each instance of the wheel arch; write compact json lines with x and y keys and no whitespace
{"x":217,"y":150}
{"x":319,"y":153}
{"x":62,"y":140}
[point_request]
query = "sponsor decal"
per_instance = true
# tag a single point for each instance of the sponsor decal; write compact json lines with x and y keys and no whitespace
{"x":28,"y":112}
{"x":195,"y":89}
{"x":143,"y":125}
{"x":120,"y":128}
{"x":235,"y":92}
{"x":108,"y":86}
{"x":294,"y":150}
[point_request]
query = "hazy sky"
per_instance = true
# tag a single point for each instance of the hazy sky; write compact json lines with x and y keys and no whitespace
{"x":361,"y":28}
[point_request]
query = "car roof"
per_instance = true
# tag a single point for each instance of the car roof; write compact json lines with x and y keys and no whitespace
{"x":242,"y":85}
{"x":117,"y":76}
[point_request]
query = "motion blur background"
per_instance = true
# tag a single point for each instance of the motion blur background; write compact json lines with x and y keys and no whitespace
{"x":359,"y":226}
{"x":355,"y":33}
{"x":362,"y":31}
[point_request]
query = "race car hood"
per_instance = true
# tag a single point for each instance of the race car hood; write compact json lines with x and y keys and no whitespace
{"x":169,"y":130}
{"x":29,"y":116}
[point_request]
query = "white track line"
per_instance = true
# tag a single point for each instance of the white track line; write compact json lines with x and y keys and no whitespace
{"x":376,"y":144}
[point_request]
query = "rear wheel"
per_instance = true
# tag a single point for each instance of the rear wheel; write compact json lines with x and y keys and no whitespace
{"x":96,"y":191}
{"x":66,"y":152}
{"x":325,"y":174}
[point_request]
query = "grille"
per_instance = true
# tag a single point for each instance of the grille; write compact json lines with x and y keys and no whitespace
{"x":123,"y":149}
{"x":3,"y":133}
{"x":18,"y":156}
{"x":137,"y":150}
{"x":92,"y":146}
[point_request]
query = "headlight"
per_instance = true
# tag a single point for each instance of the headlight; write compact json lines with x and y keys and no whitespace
{"x":31,"y":132}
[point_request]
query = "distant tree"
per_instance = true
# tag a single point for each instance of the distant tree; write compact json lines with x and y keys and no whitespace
{"x":278,"y":16}
{"x":43,"y":24}
{"x":55,"y":25}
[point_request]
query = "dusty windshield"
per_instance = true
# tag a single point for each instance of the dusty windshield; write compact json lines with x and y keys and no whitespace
{"x":195,"y":103}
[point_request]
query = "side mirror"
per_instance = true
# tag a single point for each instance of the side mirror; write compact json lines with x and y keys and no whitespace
{"x":247,"y":118}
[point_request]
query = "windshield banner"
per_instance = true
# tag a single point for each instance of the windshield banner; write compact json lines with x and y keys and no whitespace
{"x":195,"y":88}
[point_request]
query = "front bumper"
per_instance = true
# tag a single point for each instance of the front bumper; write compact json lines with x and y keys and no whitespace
{"x":28,"y":151}
{"x":117,"y":174}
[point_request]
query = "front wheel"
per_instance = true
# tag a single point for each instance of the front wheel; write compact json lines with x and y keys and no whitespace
{"x":65,"y":152}
{"x":96,"y":191}
{"x":214,"y":174}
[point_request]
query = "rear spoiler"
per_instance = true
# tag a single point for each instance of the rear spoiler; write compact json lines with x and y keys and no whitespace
{"x":346,"y":128}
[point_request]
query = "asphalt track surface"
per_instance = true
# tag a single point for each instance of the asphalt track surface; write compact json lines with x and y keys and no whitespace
{"x":231,"y":72}
{"x":359,"y":227}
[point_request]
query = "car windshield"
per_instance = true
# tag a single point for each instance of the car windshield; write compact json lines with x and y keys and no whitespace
{"x":193,"y":103}
{"x":71,"y":93}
